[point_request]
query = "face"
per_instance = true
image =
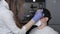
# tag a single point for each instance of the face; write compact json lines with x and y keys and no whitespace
{"x":44,"y":19}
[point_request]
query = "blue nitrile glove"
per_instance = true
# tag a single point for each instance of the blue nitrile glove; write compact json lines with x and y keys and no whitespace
{"x":38,"y":15}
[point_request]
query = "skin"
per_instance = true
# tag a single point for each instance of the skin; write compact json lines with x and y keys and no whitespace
{"x":29,"y":24}
{"x":44,"y":22}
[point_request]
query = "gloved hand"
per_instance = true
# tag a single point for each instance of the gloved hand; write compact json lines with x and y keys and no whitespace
{"x":38,"y":15}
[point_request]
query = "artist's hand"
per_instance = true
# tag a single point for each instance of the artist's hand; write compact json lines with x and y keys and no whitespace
{"x":39,"y":11}
{"x":38,"y":15}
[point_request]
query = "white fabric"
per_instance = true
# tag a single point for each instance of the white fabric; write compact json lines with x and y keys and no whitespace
{"x":45,"y":30}
{"x":38,"y":23}
{"x":4,"y":4}
{"x":7,"y":23}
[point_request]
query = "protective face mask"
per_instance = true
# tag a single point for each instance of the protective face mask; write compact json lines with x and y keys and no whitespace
{"x":38,"y":23}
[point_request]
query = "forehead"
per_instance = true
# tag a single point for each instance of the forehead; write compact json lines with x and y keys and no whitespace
{"x":43,"y":17}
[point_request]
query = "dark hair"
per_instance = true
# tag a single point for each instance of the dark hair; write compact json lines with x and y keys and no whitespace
{"x":47,"y":13}
{"x":15,"y":7}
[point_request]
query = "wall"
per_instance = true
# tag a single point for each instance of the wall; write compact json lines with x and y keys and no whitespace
{"x":54,"y":7}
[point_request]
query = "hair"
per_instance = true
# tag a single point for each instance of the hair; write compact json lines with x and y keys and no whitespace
{"x":15,"y":7}
{"x":47,"y":13}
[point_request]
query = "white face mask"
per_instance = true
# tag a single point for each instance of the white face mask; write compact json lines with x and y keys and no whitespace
{"x":38,"y":23}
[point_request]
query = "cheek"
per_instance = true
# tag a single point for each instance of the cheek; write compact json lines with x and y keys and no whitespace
{"x":43,"y":20}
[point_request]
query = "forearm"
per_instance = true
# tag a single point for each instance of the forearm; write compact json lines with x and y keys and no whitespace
{"x":29,"y":24}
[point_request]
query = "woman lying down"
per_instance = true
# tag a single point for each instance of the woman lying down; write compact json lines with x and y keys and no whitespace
{"x":43,"y":27}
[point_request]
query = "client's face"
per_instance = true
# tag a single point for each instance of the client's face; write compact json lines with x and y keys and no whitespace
{"x":44,"y":20}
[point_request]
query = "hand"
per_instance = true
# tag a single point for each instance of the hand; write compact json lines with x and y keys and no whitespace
{"x":39,"y":10}
{"x":38,"y":15}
